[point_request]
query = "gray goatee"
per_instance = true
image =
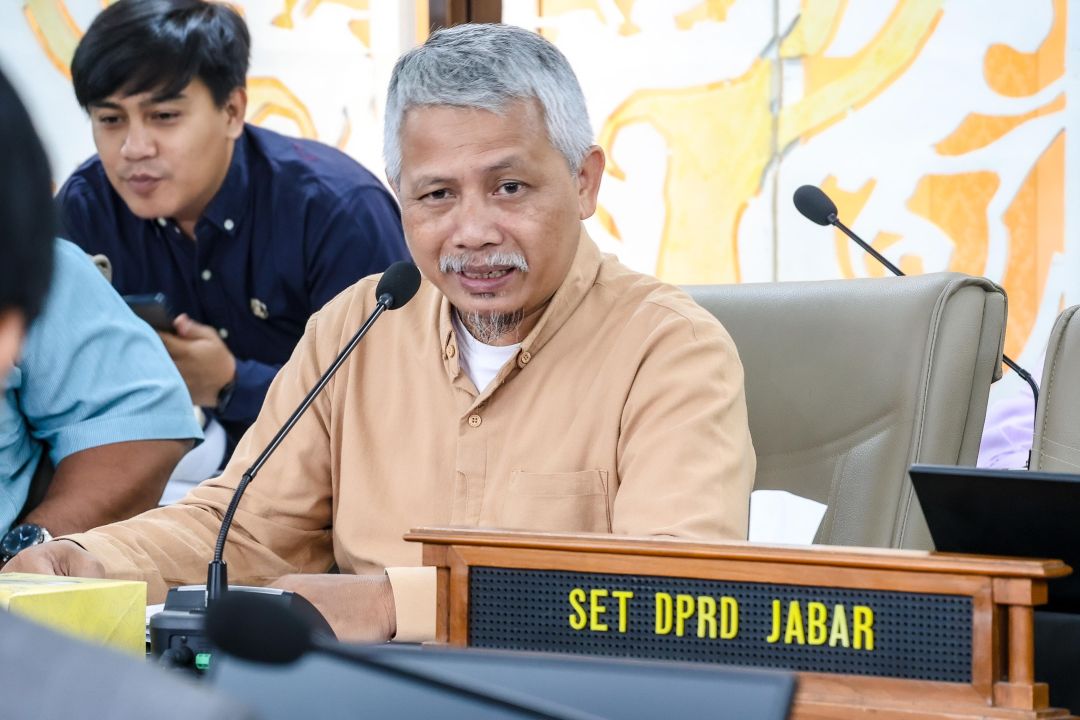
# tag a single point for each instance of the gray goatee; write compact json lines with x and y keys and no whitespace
{"x":487,"y":327}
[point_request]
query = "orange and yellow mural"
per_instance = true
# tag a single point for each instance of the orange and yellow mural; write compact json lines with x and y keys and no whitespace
{"x":937,"y":126}
{"x":317,"y":71}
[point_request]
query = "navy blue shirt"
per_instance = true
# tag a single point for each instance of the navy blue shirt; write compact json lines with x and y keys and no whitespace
{"x":294,"y":224}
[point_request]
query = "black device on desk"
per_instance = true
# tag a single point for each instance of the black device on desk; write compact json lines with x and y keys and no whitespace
{"x":154,"y":309}
{"x":289,"y":672}
{"x":587,"y":687}
{"x":1025,"y":514}
{"x":177,"y":635}
{"x":1006,"y":512}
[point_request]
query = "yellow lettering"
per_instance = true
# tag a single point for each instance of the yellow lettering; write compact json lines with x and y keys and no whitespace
{"x":684,"y":610}
{"x":862,"y":630}
{"x":729,"y":617}
{"x":623,"y":596}
{"x":816,"y":615}
{"x":663,"y":613}
{"x":706,"y":617}
{"x":794,"y":629}
{"x":578,"y":618}
{"x":839,"y":633}
{"x":775,"y":622}
{"x":596,"y":609}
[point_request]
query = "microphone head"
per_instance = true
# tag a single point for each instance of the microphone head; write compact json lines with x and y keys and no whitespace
{"x":815,"y":205}
{"x":257,"y":627}
{"x":398,"y":284}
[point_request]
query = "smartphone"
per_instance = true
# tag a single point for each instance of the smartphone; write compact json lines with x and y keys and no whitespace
{"x":154,"y":309}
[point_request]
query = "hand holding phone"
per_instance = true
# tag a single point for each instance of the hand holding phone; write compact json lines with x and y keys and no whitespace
{"x":154,"y":309}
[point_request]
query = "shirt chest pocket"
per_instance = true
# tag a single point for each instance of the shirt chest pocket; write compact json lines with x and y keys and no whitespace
{"x":557,"y":502}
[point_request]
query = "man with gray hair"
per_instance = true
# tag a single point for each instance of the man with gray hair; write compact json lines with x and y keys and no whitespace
{"x":531,"y":384}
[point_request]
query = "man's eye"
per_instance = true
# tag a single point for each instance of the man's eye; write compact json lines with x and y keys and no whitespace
{"x":510,"y":188}
{"x":108,"y":119}
{"x":166,"y":116}
{"x":437,"y":195}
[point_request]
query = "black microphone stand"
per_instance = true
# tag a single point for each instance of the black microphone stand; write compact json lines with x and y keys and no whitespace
{"x":217,"y":575}
{"x":177,"y":634}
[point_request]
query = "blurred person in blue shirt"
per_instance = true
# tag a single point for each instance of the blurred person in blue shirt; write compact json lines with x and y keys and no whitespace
{"x":26,"y":226}
{"x":247,"y":232}
{"x":93,"y":398}
{"x":93,"y":412}
{"x":47,"y":675}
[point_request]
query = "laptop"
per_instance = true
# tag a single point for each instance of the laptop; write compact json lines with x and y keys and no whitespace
{"x":1006,"y":512}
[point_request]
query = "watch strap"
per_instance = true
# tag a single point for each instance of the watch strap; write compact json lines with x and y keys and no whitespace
{"x":224,"y":396}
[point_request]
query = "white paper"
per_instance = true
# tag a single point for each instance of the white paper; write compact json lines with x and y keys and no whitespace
{"x":779,"y":517}
{"x":197,"y":465}
{"x":152,"y":610}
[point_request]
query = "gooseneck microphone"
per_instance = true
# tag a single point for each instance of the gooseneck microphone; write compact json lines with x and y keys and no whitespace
{"x":255,"y":628}
{"x":396,"y":287}
{"x":177,"y":633}
{"x":818,"y":207}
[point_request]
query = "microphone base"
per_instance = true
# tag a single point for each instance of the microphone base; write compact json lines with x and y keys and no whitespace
{"x":179,"y":629}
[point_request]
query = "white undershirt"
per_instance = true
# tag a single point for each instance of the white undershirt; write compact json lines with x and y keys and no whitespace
{"x":480,"y":362}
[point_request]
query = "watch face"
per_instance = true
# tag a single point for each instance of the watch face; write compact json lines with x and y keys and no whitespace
{"x":19,"y":538}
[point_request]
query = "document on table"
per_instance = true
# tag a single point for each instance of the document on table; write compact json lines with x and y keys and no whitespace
{"x":780,"y":517}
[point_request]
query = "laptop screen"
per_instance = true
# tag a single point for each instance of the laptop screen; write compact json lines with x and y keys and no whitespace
{"x":1006,"y":512}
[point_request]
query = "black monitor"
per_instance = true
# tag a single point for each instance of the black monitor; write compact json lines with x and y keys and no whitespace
{"x":319,"y":686}
{"x":1019,"y":513}
{"x":1005,"y":512}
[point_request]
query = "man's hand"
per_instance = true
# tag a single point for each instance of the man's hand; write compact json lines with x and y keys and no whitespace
{"x":359,"y":608}
{"x":59,"y":557}
{"x":202,"y":358}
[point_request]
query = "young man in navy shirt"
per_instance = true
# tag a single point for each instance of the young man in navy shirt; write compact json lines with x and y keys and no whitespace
{"x":247,"y":232}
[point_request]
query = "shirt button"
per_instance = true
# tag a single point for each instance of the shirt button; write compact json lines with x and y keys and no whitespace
{"x":223,"y":333}
{"x":524,"y":358}
{"x":229,"y":224}
{"x":474,"y":421}
{"x":450,"y":351}
{"x":162,"y":222}
{"x":206,"y":274}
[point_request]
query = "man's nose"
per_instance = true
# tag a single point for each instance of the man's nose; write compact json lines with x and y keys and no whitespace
{"x":138,"y":143}
{"x":476,"y":224}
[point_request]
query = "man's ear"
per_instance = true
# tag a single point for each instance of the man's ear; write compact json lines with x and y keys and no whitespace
{"x":588,"y":177}
{"x":12,"y":327}
{"x":235,"y":110}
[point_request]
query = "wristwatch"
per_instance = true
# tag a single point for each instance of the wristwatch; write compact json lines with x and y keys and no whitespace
{"x":21,"y":537}
{"x":225,"y":395}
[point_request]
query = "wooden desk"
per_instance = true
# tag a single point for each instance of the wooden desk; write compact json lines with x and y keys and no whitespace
{"x":881,"y":633}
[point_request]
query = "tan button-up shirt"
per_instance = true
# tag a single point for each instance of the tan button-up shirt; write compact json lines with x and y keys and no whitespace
{"x":623,"y":411}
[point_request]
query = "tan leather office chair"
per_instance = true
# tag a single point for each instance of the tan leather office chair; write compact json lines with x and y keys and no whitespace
{"x":848,"y":382}
{"x":1056,"y":447}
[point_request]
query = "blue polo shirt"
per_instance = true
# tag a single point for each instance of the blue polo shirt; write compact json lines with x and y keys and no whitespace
{"x":294,"y":223}
{"x":90,"y":373}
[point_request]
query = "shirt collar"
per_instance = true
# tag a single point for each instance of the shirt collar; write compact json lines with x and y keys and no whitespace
{"x":227,"y":208}
{"x":575,"y":286}
{"x":577,"y":283}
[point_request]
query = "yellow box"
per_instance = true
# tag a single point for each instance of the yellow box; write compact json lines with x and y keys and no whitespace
{"x":106,"y":612}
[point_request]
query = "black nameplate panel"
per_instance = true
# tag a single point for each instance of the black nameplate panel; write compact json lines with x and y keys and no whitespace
{"x":851,"y":631}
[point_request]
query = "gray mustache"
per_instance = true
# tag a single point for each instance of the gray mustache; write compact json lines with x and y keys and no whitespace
{"x":475,"y":261}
